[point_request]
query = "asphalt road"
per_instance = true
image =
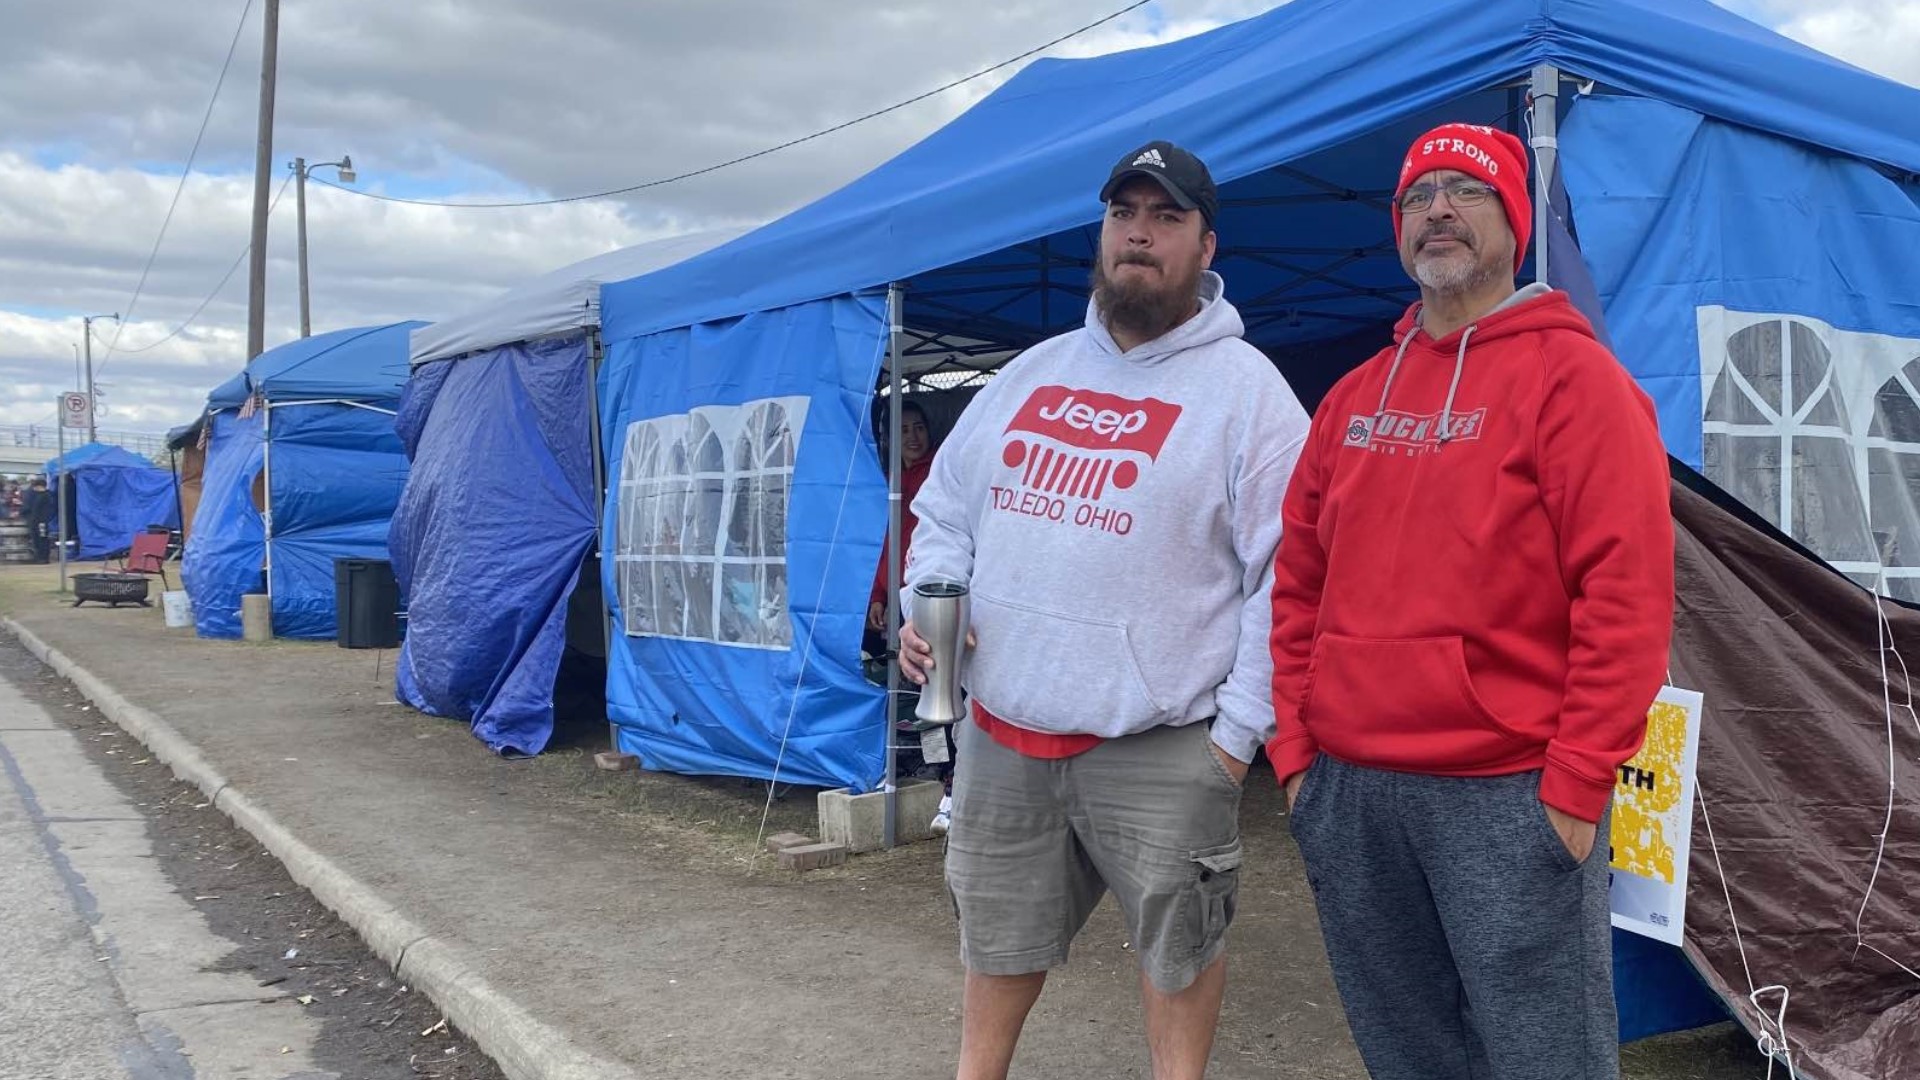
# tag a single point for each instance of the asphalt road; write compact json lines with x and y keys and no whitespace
{"x":143,"y":936}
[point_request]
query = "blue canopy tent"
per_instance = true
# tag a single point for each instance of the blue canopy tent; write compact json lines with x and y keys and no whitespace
{"x":302,"y":467}
{"x":501,"y":507}
{"x":116,"y":493}
{"x":740,"y":378}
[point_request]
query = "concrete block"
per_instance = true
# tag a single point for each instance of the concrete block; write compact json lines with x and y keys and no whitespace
{"x":813,"y":857}
{"x":781,"y":841}
{"x":858,"y":821}
{"x":613,"y":762}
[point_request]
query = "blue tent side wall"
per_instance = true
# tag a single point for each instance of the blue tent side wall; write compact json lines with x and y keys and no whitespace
{"x":803,"y":710}
{"x":337,"y":472}
{"x":490,"y":535}
{"x":229,"y":542}
{"x":116,"y":494}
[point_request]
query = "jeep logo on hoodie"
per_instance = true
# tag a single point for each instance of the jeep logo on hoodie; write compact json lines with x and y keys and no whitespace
{"x":1068,"y":444}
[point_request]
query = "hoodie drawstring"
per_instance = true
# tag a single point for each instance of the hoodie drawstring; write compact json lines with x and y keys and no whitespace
{"x":1459,"y":366}
{"x":1398,"y":356}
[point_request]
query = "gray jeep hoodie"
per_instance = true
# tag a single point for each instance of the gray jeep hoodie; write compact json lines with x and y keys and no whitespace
{"x":1115,"y":516}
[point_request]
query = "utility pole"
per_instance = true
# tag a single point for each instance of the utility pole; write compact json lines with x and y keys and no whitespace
{"x":300,"y":205}
{"x":262,"y":168}
{"x":300,"y":172}
{"x":86,"y":334}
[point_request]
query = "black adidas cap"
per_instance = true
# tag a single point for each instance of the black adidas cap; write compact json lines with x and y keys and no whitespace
{"x":1184,"y":177}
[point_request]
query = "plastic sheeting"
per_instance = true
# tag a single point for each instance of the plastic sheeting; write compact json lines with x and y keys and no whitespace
{"x":489,"y":537}
{"x":1765,"y":293}
{"x":732,"y":707}
{"x":1802,"y":881}
{"x":116,"y":494}
{"x":224,"y":558}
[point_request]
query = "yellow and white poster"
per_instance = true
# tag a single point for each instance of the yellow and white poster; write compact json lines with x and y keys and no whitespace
{"x":1653,"y":821}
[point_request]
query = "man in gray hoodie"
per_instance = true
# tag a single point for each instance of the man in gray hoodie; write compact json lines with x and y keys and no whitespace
{"x":1111,"y":501}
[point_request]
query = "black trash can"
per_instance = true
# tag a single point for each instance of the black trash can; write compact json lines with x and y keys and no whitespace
{"x":366,"y":604}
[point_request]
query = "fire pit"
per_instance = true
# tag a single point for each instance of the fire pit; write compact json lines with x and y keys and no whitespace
{"x":110,"y":589}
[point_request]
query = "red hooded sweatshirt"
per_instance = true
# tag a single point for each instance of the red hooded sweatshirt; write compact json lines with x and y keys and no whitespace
{"x":1490,"y":602}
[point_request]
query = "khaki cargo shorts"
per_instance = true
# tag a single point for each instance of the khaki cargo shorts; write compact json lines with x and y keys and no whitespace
{"x":1154,"y":817}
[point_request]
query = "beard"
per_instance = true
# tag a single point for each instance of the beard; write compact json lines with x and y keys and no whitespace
{"x":1451,"y":273}
{"x":1141,"y":307}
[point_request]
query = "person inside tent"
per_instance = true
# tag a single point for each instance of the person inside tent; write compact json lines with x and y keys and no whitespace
{"x":916,"y":460}
{"x":1471,"y":609}
{"x":39,"y":508}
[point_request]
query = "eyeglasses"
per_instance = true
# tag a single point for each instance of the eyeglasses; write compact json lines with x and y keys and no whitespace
{"x":1460,"y":193}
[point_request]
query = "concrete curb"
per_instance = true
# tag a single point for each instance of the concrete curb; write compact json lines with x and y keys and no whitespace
{"x":525,"y":1047}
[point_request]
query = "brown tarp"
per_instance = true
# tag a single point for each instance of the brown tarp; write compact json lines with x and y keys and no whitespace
{"x":189,"y":463}
{"x":1793,"y":780}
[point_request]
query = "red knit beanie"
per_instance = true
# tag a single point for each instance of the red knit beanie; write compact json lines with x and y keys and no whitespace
{"x":1483,"y":153}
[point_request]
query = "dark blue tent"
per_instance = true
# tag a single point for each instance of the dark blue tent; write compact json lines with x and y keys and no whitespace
{"x":500,"y":507}
{"x":116,"y":493}
{"x":742,"y":377}
{"x":303,"y":467}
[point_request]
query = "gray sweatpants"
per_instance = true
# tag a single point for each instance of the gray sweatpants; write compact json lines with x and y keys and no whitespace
{"x":1467,"y":942}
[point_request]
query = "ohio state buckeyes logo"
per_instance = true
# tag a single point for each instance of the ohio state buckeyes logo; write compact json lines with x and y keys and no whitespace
{"x":1069,"y":448}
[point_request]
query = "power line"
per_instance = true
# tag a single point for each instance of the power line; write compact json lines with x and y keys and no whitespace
{"x":224,"y":278}
{"x":746,"y":157}
{"x":180,"y":187}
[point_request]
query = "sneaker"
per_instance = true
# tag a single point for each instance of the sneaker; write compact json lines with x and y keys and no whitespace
{"x":943,"y":820}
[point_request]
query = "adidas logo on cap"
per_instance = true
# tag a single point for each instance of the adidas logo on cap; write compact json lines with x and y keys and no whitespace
{"x":1151,"y":157}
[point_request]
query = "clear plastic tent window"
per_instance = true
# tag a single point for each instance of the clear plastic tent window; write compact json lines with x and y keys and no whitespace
{"x":702,"y":545}
{"x":1818,"y":430}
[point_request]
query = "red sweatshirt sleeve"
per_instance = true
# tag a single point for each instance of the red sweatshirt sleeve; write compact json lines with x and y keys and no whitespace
{"x":1299,"y":572}
{"x":1604,"y":482}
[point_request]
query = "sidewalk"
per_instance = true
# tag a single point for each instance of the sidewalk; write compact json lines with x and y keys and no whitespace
{"x":592,"y":924}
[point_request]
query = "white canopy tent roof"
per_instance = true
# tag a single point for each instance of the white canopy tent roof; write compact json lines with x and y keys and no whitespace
{"x":555,"y":303}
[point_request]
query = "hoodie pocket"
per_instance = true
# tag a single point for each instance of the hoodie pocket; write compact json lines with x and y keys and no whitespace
{"x":1059,"y":671}
{"x":1403,"y":703}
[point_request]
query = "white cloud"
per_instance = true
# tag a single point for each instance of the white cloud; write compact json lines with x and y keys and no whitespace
{"x":1882,"y":36}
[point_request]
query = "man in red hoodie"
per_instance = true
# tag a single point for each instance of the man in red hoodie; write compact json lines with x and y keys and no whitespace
{"x":1471,"y":608}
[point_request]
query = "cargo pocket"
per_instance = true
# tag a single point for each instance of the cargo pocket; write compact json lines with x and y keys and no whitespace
{"x":1216,"y":892}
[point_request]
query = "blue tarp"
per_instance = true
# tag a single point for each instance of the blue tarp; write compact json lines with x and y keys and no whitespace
{"x":323,"y":434}
{"x":489,"y":538}
{"x":362,"y":363}
{"x":116,"y":494}
{"x":228,"y":542}
{"x":737,"y":709}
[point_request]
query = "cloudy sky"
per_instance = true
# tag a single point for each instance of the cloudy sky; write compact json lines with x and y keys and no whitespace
{"x":100,"y":101}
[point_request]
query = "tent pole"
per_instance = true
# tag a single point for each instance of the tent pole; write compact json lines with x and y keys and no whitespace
{"x":600,"y":516}
{"x":890,"y":823}
{"x":1546,"y":154}
{"x":266,"y":514}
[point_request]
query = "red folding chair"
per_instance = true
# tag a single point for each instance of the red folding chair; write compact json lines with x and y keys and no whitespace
{"x":148,"y":555}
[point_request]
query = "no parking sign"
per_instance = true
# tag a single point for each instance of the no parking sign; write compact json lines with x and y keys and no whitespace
{"x":76,"y":409}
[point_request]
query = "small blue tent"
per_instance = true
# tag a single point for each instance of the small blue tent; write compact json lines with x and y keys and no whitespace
{"x":116,"y":493}
{"x":501,"y":504}
{"x":1687,"y":138}
{"x":303,"y":467}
